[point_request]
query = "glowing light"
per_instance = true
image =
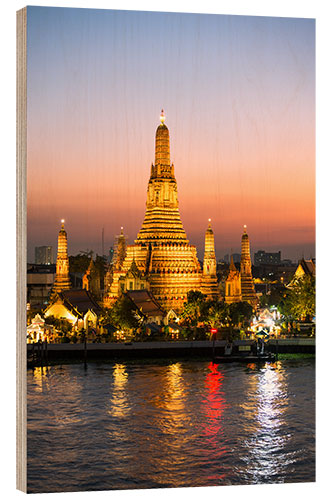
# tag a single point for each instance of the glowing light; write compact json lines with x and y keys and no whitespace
{"x":119,"y":405}
{"x":162,"y":117}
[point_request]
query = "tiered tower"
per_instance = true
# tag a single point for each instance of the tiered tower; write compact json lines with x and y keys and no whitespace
{"x":62,"y":280}
{"x":233,"y":291}
{"x":162,"y":219}
{"x":209,"y":284}
{"x":118,"y":256}
{"x":247,"y":285}
{"x":162,"y":251}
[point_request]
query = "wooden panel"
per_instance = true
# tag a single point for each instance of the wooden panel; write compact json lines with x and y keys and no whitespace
{"x":21,"y":251}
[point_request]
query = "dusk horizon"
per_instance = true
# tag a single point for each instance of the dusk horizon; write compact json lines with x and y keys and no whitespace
{"x":242,"y":132}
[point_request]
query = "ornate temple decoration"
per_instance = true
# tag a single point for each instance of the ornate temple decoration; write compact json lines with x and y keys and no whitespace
{"x":233,"y":291}
{"x":209,"y":284}
{"x":62,"y":280}
{"x":119,"y":253}
{"x":247,"y":285}
{"x":162,"y":253}
{"x":91,"y":279}
{"x":134,"y":279}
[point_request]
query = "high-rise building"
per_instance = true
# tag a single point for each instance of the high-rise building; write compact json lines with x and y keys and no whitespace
{"x":44,"y":255}
{"x":236,"y":258}
{"x":262,"y":257}
{"x":247,"y":285}
{"x":62,"y":280}
{"x":162,"y":253}
{"x":226,"y":259}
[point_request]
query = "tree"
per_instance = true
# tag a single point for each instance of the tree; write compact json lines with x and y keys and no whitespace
{"x":61,"y":324}
{"x":214,"y":313}
{"x":122,"y":314}
{"x":272,"y":298}
{"x":300,"y":299}
{"x":79,"y":263}
{"x":193,"y":309}
{"x":240,"y":313}
{"x":100,"y":264}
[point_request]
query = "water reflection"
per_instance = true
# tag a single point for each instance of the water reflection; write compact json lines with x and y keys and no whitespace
{"x":119,"y":404}
{"x":40,"y":378}
{"x":173,"y":426}
{"x":146,"y":425}
{"x":268,"y":402}
{"x":172,"y":400}
{"x":214,"y":403}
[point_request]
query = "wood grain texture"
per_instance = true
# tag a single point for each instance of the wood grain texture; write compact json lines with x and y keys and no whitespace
{"x":21,"y":251}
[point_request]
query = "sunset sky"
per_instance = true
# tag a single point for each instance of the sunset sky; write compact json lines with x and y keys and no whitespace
{"x":239,"y":98}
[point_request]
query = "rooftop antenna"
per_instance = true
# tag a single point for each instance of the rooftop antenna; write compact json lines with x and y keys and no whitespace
{"x":102,"y":241}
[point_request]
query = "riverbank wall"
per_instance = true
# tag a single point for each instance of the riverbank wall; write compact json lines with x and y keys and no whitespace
{"x":58,"y":353}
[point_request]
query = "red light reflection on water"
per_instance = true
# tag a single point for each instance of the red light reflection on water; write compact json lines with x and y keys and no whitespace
{"x":214,"y":406}
{"x":215,"y":403}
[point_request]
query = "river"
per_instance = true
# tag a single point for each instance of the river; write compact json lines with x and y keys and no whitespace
{"x":170,"y":424}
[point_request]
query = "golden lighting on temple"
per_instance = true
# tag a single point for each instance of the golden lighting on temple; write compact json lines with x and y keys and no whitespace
{"x":62,"y":280}
{"x":162,"y":257}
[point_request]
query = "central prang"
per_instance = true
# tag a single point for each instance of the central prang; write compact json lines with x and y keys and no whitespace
{"x":167,"y":263}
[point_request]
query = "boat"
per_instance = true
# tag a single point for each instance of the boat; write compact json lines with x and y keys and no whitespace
{"x":250,"y":358}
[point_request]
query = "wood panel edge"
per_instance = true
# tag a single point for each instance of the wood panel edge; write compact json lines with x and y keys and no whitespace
{"x":21,"y":253}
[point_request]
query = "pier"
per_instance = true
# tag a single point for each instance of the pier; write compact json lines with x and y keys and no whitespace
{"x":58,"y":353}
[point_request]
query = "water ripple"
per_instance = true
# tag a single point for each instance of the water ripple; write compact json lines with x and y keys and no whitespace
{"x":128,"y":426}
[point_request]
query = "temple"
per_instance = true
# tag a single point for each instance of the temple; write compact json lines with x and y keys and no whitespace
{"x":233,"y":290}
{"x":162,"y":260}
{"x":209,"y":284}
{"x":247,"y":285}
{"x":91,"y":279}
{"x":62,"y":280}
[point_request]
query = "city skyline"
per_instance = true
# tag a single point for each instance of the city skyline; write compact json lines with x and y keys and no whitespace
{"x":241,"y":131}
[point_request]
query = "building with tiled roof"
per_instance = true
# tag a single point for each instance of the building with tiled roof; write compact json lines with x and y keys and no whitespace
{"x":147,"y":306}
{"x":77,"y":306}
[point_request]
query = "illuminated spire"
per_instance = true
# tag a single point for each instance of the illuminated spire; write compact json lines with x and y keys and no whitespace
{"x":62,"y":280}
{"x":233,"y":284}
{"x":232,"y":264}
{"x":209,"y":280}
{"x":248,"y":291}
{"x":162,"y":146}
{"x":209,"y":265}
{"x":162,"y":219}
